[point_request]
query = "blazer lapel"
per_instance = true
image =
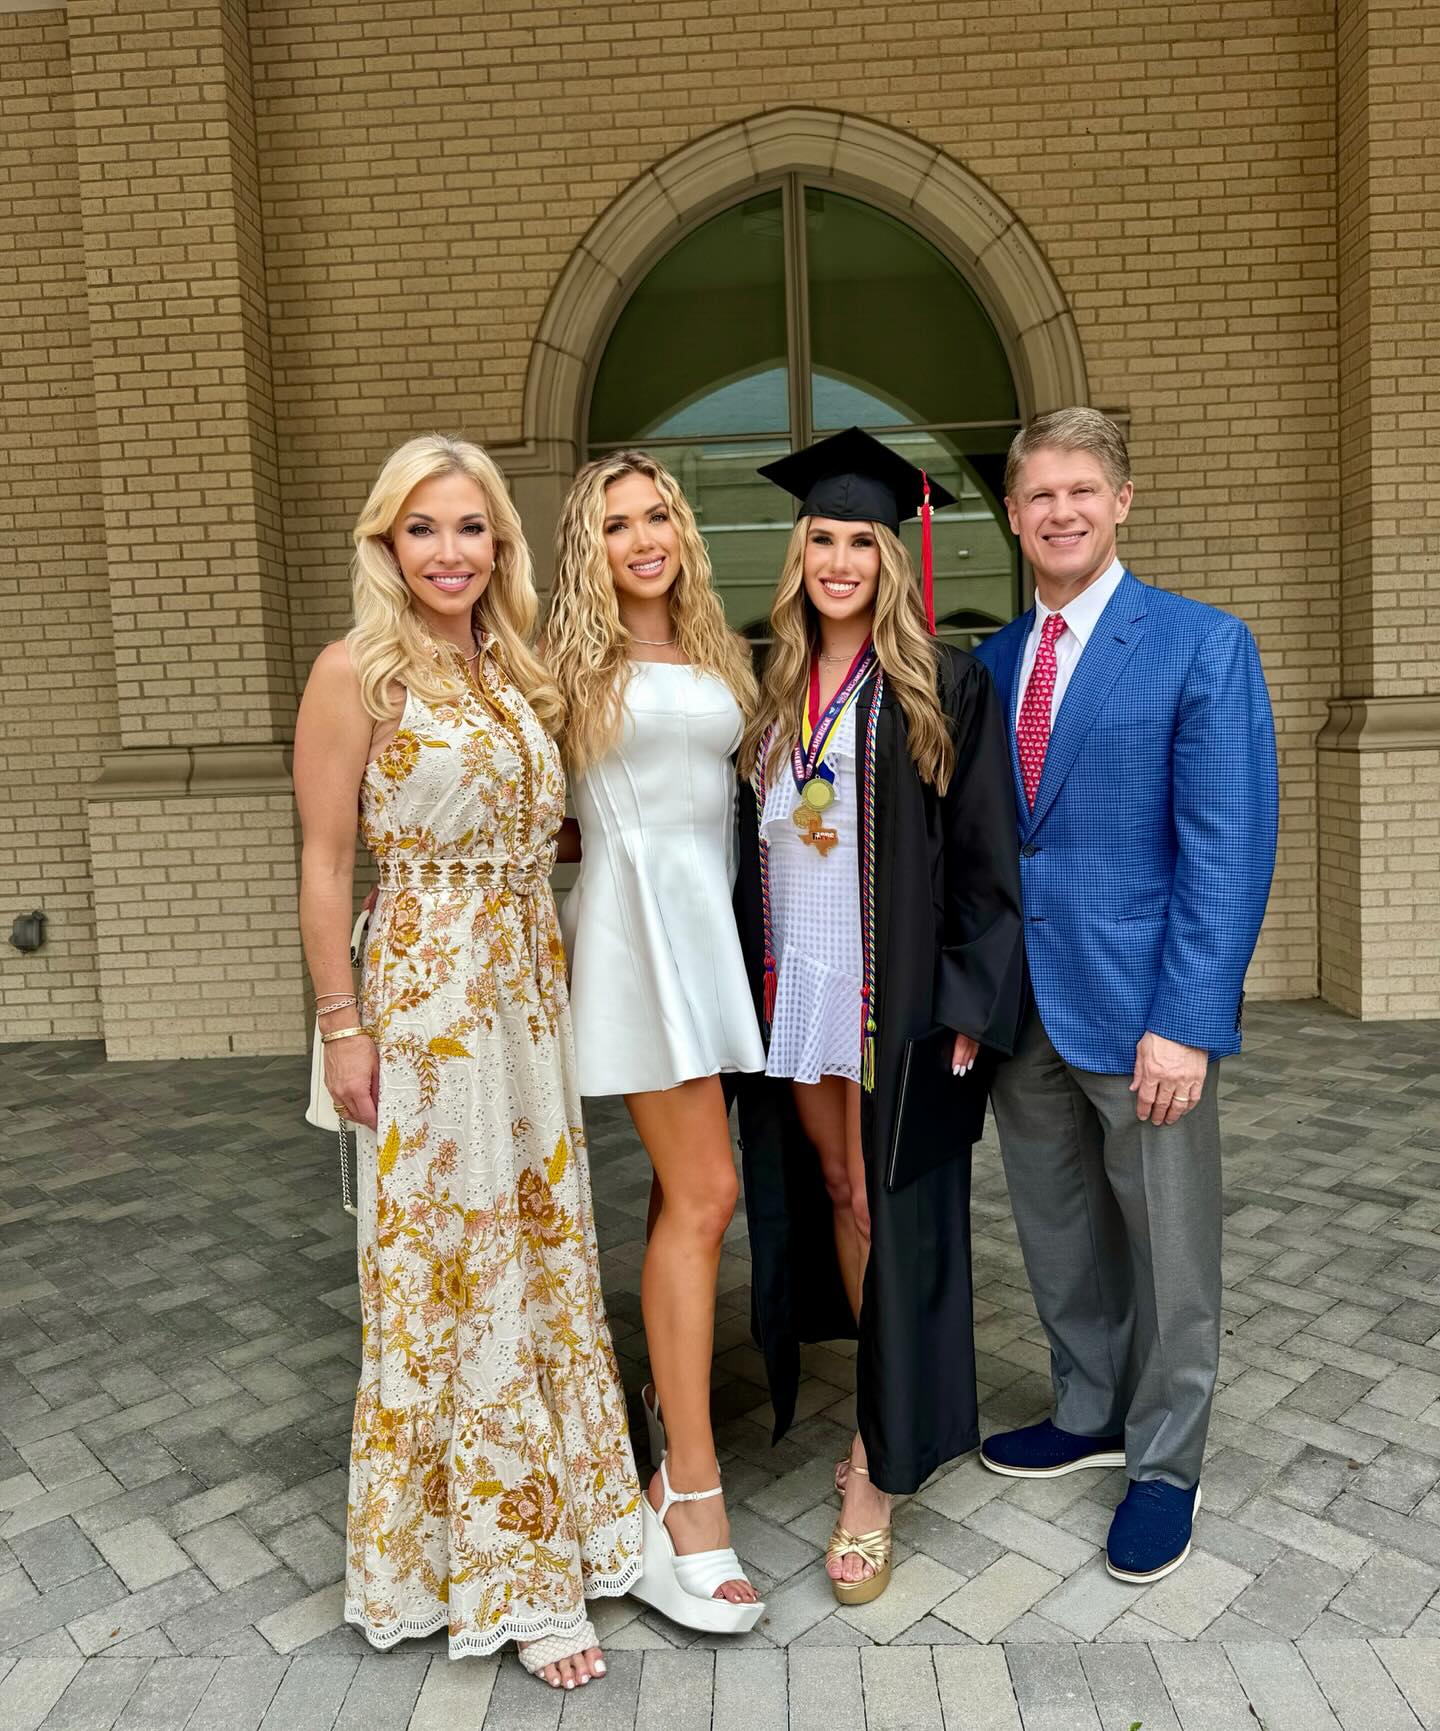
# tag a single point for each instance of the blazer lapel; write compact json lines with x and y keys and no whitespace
{"x":1007,"y":690}
{"x":1117,"y":631}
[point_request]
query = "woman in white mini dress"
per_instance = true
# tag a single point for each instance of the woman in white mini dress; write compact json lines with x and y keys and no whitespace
{"x":657,"y":693}
{"x":657,"y":980}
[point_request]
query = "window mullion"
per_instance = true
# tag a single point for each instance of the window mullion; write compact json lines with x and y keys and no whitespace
{"x":797,"y":314}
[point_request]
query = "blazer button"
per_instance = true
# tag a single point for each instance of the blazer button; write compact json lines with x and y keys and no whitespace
{"x":1029,"y":850}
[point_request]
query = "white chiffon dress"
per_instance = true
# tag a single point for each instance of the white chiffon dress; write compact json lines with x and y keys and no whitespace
{"x":658,"y":991}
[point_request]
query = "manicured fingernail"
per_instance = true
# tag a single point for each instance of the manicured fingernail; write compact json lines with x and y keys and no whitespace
{"x":954,"y":1069}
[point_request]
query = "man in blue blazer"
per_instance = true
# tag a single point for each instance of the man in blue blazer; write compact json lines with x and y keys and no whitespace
{"x":1143,"y":752}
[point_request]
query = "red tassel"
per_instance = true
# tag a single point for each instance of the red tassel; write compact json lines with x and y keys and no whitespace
{"x":771,"y":983}
{"x":927,"y":557}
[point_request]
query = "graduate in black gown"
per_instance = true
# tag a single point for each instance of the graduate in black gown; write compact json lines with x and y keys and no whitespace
{"x":854,"y":1204}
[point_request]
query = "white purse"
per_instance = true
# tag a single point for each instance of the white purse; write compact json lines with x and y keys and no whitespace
{"x":321,"y":1110}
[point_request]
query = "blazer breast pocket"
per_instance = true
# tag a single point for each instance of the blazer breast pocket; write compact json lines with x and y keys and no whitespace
{"x":1121,"y":732}
{"x":1141,"y":915}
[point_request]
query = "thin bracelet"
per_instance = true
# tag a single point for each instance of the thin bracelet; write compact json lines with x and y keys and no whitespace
{"x":341,"y":1034}
{"x":339,"y":1004}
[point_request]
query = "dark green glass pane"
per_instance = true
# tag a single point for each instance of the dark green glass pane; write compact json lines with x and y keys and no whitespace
{"x":896,"y":334}
{"x":700,"y":348}
{"x":974,"y":553}
{"x":745,"y":520}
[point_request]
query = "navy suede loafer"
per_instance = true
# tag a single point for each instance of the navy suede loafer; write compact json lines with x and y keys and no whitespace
{"x":1150,"y":1534}
{"x":1044,"y":1451}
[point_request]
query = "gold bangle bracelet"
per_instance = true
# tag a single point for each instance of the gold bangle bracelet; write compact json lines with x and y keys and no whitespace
{"x":341,"y":1034}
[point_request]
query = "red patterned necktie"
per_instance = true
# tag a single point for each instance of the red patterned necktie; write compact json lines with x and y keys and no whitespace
{"x":1032,"y":730}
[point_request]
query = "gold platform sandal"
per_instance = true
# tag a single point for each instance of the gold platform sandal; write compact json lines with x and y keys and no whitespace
{"x":872,"y":1548}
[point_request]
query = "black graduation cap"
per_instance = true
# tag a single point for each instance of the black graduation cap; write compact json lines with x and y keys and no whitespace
{"x":855,"y":479}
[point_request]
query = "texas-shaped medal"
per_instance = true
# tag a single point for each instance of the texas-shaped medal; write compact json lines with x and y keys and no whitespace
{"x":807,"y":818}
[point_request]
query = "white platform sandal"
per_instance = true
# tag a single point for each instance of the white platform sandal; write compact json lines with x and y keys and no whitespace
{"x":548,"y":1650}
{"x":682,"y":1588}
{"x":654,"y":1424}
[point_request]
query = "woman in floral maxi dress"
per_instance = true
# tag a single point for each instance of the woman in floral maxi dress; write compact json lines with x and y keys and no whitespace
{"x":492,"y":1488}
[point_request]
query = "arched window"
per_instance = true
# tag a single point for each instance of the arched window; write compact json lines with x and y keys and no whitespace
{"x":791,"y":315}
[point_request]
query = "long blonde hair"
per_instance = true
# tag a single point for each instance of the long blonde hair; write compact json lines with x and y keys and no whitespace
{"x":908,"y":655}
{"x":389,"y":643}
{"x":587,"y":647}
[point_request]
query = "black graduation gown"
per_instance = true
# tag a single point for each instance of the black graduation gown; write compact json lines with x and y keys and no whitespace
{"x":949,"y":951}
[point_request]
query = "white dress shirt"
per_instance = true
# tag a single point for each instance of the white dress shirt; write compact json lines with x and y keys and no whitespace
{"x":1081,"y":616}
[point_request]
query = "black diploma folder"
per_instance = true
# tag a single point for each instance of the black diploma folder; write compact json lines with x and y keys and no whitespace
{"x":938,"y":1116}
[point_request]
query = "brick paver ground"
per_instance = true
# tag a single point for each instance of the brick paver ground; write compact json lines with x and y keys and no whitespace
{"x":177,"y":1363}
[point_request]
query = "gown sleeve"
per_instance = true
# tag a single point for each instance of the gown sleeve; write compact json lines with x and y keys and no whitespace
{"x":980,"y":970}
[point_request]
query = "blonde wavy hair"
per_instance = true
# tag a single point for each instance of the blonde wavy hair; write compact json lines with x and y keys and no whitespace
{"x":587,"y":647}
{"x":389,"y":643}
{"x":909,"y":657}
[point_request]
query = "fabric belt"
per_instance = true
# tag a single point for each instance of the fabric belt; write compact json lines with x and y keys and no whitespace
{"x":521,"y":877}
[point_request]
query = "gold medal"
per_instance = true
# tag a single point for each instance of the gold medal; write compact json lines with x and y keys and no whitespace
{"x":818,"y":793}
{"x":805,"y":819}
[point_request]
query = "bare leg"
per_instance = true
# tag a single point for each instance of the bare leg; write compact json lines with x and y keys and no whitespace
{"x":824,"y":1108}
{"x":831,"y":1110}
{"x":687,"y":1136}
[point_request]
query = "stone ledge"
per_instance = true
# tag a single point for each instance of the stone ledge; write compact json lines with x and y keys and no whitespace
{"x":208,"y":771}
{"x":1382,"y":724}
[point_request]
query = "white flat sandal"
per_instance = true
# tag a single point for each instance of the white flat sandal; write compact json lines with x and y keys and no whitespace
{"x":683,"y":1587}
{"x":654,"y":1424}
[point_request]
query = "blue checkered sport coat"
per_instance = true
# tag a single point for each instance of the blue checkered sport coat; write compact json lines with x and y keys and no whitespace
{"x":1147,"y":860}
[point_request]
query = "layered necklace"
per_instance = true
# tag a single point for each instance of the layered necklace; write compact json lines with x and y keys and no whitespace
{"x":814,"y":778}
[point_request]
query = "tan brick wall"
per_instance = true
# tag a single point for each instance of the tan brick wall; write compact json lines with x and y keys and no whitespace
{"x":195,"y":900}
{"x":1173,"y":162}
{"x":179,"y":334}
{"x":315,"y":229}
{"x":1354,"y":202}
{"x":179,"y":328}
{"x":57,"y":686}
{"x":1342,"y":922}
{"x":1380,"y":865}
{"x":1391,"y":440}
{"x":1401,"y":893}
{"x":1380,"y":952}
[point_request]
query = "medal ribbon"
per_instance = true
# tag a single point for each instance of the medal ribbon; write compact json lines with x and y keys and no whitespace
{"x":816,"y":730}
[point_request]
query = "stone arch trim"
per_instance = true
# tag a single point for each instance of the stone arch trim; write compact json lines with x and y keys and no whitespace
{"x":913,"y":180}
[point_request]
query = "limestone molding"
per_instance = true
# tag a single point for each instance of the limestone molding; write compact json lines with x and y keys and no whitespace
{"x":886,"y":167}
{"x":1382,"y":724}
{"x":162,"y":772}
